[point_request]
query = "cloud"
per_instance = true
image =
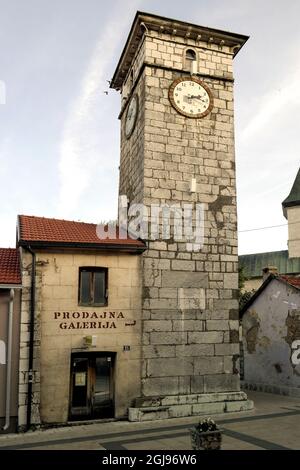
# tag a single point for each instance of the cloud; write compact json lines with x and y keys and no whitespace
{"x":81,"y":139}
{"x":5,"y":154}
{"x":8,"y":228}
{"x":288,"y":92}
{"x":2,"y":92}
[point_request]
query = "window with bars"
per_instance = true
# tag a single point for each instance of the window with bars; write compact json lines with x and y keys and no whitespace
{"x":93,"y":289}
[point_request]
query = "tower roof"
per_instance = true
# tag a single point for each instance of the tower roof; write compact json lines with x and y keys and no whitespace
{"x":149,"y":22}
{"x":293,"y":198}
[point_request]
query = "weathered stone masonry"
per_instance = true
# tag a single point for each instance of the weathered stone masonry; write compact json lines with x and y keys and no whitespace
{"x":190,"y":307}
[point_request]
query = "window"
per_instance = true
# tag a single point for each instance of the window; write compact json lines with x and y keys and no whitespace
{"x":93,"y":286}
{"x":190,"y":54}
{"x":190,"y":60}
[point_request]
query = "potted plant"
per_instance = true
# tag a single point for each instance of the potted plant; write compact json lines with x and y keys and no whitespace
{"x":206,"y":435}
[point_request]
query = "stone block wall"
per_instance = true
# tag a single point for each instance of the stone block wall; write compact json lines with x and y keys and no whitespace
{"x":190,"y":307}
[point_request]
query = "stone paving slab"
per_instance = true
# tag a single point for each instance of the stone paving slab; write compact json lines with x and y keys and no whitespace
{"x":274,"y":424}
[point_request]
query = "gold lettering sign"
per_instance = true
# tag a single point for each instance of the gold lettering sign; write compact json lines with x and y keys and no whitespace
{"x":91,"y":320}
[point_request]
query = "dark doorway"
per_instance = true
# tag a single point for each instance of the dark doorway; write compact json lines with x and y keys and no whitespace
{"x":92,"y":385}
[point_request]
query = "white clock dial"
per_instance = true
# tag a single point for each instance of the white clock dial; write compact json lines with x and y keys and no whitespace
{"x":191,"y":97}
{"x":131,"y":116}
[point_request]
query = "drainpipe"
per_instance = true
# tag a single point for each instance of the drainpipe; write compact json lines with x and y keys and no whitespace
{"x":8,"y":360}
{"x":31,"y":341}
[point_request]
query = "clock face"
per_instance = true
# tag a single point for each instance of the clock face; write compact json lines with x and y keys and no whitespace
{"x":191,"y":97}
{"x":131,"y":116}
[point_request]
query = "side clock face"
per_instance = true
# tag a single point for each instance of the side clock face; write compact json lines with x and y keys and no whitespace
{"x":191,"y":97}
{"x":131,"y":116}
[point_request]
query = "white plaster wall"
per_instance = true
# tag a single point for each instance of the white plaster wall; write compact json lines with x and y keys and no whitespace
{"x":268,"y":356}
{"x":293,"y":214}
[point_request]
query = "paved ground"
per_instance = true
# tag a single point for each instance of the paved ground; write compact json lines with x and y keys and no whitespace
{"x":274,"y":424}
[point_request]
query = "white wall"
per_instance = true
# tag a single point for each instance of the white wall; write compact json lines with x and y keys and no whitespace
{"x":293,"y":214}
{"x":265,"y":339}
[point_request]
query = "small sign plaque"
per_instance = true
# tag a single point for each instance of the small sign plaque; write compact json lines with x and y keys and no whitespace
{"x":80,"y":379}
{"x":2,"y":353}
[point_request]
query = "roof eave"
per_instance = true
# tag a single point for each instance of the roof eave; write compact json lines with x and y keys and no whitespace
{"x":293,"y":198}
{"x":248,"y":304}
{"x":128,"y":248}
{"x":10,"y":286}
{"x":156,"y":22}
{"x":286,"y":205}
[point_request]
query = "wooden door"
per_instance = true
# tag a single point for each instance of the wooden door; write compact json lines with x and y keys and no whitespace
{"x":92,"y":386}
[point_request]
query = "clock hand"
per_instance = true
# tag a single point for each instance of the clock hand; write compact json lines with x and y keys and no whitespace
{"x":197,"y":97}
{"x":187,"y":98}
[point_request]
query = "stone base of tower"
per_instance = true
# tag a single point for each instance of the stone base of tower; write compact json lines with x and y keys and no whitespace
{"x":177,"y":406}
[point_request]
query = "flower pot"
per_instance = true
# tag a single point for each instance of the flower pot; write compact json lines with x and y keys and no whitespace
{"x":210,"y":440}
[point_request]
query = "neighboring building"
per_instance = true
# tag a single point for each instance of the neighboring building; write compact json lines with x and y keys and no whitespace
{"x":285,"y":262}
{"x":177,"y":146}
{"x":10,"y":294}
{"x":277,"y":262}
{"x":291,"y":210}
{"x":84,"y":356}
{"x":271,"y":329}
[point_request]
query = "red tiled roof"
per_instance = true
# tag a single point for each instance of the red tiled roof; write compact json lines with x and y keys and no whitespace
{"x":9,"y":266}
{"x":40,"y":229}
{"x":293,"y":280}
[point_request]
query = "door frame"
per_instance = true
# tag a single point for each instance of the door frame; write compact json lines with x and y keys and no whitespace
{"x":90,"y":356}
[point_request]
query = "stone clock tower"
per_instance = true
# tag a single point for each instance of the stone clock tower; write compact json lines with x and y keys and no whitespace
{"x":177,"y":147}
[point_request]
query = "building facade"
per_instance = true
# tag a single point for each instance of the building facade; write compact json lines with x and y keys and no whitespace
{"x":271,"y":337}
{"x":291,"y":211}
{"x":177,"y":147}
{"x":80,"y":339}
{"x":10,"y":298}
{"x":256,"y":264}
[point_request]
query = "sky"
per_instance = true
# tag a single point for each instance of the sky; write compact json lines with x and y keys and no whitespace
{"x":59,"y":131}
